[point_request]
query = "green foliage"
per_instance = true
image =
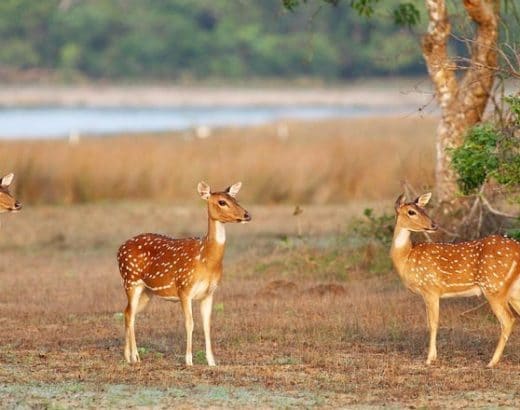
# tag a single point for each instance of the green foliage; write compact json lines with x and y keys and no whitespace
{"x":490,"y":152}
{"x":514,"y":233}
{"x":476,"y":158}
{"x":364,"y":7}
{"x":191,"y":39}
{"x":199,"y":357}
{"x":380,"y":227}
{"x":514,"y":106}
{"x":406,"y":14}
{"x":293,"y":4}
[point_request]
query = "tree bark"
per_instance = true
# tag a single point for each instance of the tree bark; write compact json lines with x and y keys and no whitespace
{"x":462,"y":101}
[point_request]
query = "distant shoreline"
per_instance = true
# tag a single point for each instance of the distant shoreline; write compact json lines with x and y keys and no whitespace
{"x":405,"y":93}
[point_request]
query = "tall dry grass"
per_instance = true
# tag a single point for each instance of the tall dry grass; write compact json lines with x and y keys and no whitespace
{"x":319,"y":162}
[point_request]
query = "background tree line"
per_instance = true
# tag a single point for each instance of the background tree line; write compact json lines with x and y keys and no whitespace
{"x":191,"y":39}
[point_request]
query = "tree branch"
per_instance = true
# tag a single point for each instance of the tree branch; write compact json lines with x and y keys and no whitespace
{"x":434,"y":44}
{"x":477,"y":83}
{"x":496,"y":211}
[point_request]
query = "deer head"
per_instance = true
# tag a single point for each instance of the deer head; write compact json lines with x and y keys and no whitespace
{"x":7,"y":202}
{"x":222,"y":206}
{"x":412,"y":215}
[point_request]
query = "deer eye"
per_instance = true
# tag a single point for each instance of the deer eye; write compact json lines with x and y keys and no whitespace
{"x":411,"y":212}
{"x":222,"y":203}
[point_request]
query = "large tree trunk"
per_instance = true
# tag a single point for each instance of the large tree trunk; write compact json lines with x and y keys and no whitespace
{"x":462,"y":101}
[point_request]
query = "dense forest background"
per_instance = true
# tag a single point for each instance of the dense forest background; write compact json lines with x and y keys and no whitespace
{"x":221,"y":39}
{"x":191,"y":39}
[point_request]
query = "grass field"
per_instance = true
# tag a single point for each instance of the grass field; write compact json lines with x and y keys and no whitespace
{"x":323,"y":162}
{"x":319,"y":320}
{"x":299,"y":321}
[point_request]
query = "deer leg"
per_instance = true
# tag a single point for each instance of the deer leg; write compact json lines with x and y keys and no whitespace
{"x":143,"y":300}
{"x":133,"y":294}
{"x":205,"y":311}
{"x":432,"y":313}
{"x":188,"y":323}
{"x":515,"y":303}
{"x":506,"y":319}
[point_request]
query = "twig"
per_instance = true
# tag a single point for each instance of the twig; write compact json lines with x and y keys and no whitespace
{"x":496,"y":211}
{"x":480,"y":220}
{"x":472,"y":210}
{"x":452,"y":234}
{"x":473,"y":309}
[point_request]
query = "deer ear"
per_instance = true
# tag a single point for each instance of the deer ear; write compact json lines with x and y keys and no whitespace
{"x":423,"y":200}
{"x":204,"y":190}
{"x":233,"y":189}
{"x":6,"y":181}
{"x":399,"y":201}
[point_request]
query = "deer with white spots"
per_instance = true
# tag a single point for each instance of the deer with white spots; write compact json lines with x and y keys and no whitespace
{"x":488,"y":266}
{"x":179,"y":269}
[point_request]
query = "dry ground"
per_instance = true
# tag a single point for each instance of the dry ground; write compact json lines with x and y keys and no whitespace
{"x":297,"y":322}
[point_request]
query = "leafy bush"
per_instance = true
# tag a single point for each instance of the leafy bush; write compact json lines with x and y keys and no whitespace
{"x":490,"y":152}
{"x":380,"y":228}
{"x":476,"y":158}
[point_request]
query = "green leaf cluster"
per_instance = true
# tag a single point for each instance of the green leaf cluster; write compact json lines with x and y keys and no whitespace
{"x":489,"y":151}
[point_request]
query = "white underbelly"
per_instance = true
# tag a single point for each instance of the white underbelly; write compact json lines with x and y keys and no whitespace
{"x":171,"y":298}
{"x":201,"y":289}
{"x":473,"y":291}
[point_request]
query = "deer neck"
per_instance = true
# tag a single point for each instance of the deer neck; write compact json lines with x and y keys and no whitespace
{"x":214,"y":243}
{"x":401,"y":248}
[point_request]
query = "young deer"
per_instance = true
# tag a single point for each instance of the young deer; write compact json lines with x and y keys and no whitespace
{"x":488,"y":266}
{"x":7,"y":202}
{"x":179,"y":269}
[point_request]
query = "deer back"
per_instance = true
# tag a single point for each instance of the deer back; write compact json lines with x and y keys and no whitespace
{"x":490,"y":264}
{"x":168,"y":267}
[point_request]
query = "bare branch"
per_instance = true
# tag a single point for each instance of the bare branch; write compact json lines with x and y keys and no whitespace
{"x":496,"y":211}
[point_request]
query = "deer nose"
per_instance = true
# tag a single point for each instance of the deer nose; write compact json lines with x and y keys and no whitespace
{"x":247,"y":216}
{"x":17,"y":205}
{"x":434,"y":226}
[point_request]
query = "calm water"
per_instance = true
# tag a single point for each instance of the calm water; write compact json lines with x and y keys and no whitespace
{"x":62,"y":122}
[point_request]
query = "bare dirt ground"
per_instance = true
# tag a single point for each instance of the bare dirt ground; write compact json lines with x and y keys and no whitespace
{"x":298,"y":322}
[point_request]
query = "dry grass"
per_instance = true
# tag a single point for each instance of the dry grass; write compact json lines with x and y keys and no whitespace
{"x":331,"y":161}
{"x":290,"y":328}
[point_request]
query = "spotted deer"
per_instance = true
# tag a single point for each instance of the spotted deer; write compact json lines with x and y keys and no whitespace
{"x":179,"y":269}
{"x":7,"y":202}
{"x":488,"y":266}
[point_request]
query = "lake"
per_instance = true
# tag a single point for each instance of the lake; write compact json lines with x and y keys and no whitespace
{"x":59,"y":122}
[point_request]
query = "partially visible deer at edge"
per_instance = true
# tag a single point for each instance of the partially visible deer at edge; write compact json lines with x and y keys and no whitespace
{"x":7,"y":201}
{"x":488,"y":266}
{"x":179,"y":269}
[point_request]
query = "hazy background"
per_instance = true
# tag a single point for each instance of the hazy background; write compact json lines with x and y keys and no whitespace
{"x":188,"y":40}
{"x":216,"y":90}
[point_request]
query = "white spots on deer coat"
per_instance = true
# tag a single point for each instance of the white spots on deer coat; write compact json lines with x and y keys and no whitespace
{"x":460,"y":269}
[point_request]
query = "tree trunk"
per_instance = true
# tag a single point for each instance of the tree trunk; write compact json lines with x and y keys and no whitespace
{"x":462,"y":101}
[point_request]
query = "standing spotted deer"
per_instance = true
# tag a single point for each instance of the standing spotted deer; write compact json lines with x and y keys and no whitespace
{"x":179,"y":269}
{"x":488,"y":266}
{"x":7,"y":202}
